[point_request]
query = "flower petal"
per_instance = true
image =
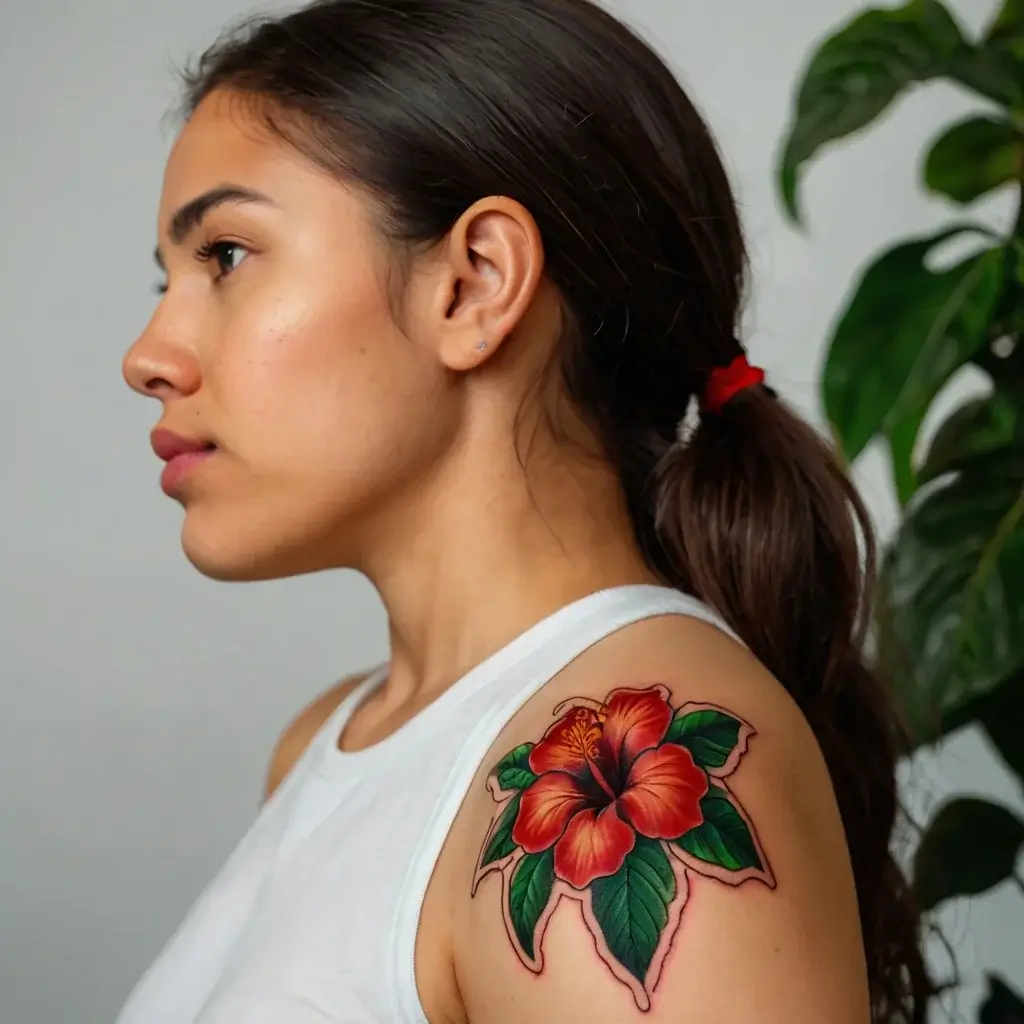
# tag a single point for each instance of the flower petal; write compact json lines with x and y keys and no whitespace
{"x":636,"y":720}
{"x":594,"y":845}
{"x":567,"y":744}
{"x":545,"y":809}
{"x":663,"y":793}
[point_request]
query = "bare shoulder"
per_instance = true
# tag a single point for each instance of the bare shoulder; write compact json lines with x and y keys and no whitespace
{"x":298,"y":734}
{"x":654,"y":836}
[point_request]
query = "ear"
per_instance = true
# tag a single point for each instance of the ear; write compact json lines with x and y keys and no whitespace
{"x":493,"y":265}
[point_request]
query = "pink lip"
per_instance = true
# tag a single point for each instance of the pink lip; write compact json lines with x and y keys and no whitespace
{"x":181,"y":454}
{"x":179,"y":467}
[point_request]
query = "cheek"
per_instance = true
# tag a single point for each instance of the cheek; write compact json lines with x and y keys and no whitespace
{"x":322,"y":393}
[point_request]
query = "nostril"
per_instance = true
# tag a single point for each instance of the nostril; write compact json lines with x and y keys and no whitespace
{"x":157,"y":385}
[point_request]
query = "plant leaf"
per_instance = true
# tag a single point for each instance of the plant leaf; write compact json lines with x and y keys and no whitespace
{"x":709,"y":735}
{"x":974,"y":157}
{"x":1002,"y":717}
{"x":513,"y":770}
{"x":1007,"y":30}
{"x":1002,"y":1005}
{"x":902,"y":438}
{"x":1008,"y":23}
{"x":978,"y":427}
{"x":500,"y":843}
{"x":957,"y":335}
{"x":996,"y":67}
{"x":904,"y":332}
{"x":529,"y":891}
{"x":858,"y":72}
{"x":951,"y":597}
{"x":723,"y":837}
{"x":1000,"y":714}
{"x":994,"y":72}
{"x":968,"y":847}
{"x":631,"y":906}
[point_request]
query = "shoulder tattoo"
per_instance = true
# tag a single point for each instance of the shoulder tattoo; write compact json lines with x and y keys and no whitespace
{"x":615,"y":807}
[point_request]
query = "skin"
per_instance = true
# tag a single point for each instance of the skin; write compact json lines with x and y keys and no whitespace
{"x":356,"y":428}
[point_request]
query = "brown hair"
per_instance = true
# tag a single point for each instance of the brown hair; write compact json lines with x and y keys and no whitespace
{"x":432,"y":104}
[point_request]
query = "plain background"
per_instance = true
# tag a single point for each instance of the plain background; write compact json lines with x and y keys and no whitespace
{"x":140,"y":701}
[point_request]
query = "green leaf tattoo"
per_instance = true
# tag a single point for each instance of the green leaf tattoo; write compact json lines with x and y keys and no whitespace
{"x":529,"y":892}
{"x":513,"y":770}
{"x":500,"y":844}
{"x":722,"y":838}
{"x":590,"y":806}
{"x":710,"y":735}
{"x":631,"y":906}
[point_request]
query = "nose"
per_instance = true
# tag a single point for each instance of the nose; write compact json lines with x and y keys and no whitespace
{"x":157,"y":367}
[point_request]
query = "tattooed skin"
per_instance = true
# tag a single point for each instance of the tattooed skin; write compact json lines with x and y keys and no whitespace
{"x":614,"y":808}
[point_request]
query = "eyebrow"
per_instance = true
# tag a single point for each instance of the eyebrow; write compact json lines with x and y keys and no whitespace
{"x":190,"y":215}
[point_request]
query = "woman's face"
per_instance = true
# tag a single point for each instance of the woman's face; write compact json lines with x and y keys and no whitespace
{"x":276,"y":344}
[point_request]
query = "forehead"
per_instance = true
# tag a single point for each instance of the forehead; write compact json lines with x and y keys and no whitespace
{"x":224,"y":142}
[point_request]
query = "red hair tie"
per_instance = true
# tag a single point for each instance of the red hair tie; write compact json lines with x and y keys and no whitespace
{"x":725,"y":382}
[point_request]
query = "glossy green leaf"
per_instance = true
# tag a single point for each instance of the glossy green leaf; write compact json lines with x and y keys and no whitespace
{"x":968,"y":847}
{"x":631,"y":906}
{"x":975,"y":157}
{"x":958,"y":335}
{"x":858,"y":72}
{"x":513,"y":770}
{"x":529,"y":891}
{"x":500,"y":843}
{"x":1002,"y":1005}
{"x":723,"y":838}
{"x":709,"y":735}
{"x":951,"y":610}
{"x":906,"y":330}
{"x":979,"y":427}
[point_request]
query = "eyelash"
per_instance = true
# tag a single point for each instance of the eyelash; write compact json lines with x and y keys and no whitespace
{"x":206,"y":252}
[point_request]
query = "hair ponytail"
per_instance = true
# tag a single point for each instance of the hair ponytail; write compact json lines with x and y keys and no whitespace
{"x":755,"y":515}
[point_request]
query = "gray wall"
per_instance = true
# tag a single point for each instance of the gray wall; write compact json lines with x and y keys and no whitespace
{"x":140,"y":701}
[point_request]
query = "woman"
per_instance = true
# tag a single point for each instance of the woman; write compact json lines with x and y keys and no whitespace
{"x":444,"y":279}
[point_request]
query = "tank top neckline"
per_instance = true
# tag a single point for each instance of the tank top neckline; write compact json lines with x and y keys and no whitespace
{"x":334,"y":759}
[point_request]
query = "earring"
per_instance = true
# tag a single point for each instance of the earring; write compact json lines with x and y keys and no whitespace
{"x":481,"y":346}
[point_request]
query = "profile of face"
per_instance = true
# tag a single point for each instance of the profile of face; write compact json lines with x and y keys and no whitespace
{"x":320,"y":410}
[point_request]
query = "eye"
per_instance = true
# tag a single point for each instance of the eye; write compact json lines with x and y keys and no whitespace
{"x":227,"y":255}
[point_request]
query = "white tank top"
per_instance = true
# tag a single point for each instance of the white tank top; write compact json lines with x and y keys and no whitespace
{"x":313,"y":918}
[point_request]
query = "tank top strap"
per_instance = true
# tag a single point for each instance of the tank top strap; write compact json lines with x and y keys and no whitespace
{"x":538,"y":656}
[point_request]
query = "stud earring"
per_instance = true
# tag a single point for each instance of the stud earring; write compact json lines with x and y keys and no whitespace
{"x":481,"y":346}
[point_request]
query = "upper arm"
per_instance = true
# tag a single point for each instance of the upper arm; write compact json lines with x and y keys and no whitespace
{"x":298,"y":734}
{"x":715,"y":885}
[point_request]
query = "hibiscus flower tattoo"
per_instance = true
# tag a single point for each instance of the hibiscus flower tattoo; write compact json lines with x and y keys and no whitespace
{"x":615,"y":807}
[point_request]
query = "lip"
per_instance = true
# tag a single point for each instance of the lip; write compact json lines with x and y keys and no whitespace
{"x":182,"y":455}
{"x":168,"y":445}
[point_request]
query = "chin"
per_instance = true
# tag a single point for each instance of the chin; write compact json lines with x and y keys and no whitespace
{"x":235,"y":555}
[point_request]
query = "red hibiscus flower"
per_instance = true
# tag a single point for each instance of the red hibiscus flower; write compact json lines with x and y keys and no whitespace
{"x":604,"y":776}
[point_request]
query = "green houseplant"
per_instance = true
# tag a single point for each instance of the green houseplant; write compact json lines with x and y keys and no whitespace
{"x":950,"y":619}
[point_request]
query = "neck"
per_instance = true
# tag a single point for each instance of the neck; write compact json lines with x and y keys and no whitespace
{"x":486,"y":550}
